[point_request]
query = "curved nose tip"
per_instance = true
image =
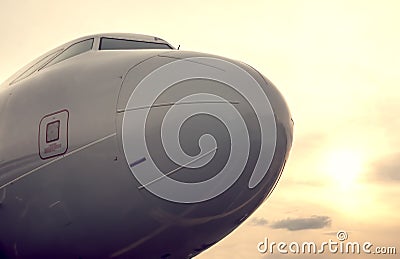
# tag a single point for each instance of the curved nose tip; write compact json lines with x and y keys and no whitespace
{"x":205,"y":139}
{"x":200,"y":124}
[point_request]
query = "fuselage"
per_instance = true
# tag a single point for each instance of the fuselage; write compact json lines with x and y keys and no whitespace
{"x":79,"y":136}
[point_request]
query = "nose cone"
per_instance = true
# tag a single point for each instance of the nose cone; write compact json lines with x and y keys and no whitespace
{"x":205,"y":137}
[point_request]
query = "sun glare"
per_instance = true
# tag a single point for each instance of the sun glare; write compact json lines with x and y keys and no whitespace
{"x":344,"y":167}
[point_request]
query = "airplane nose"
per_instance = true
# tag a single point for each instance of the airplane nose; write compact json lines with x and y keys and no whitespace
{"x":198,"y":125}
{"x":205,"y":132}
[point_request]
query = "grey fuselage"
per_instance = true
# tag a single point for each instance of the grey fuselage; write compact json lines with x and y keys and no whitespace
{"x":68,"y":188}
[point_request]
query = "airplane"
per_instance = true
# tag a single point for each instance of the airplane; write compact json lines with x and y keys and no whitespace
{"x":121,"y":146}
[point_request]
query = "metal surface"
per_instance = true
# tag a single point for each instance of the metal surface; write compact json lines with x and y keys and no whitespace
{"x":88,"y":202}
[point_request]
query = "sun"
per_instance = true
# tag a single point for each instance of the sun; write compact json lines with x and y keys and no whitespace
{"x":344,"y":166}
{"x":346,"y":189}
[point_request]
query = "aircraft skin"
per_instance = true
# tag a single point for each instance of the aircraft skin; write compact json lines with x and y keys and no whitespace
{"x":70,"y":184}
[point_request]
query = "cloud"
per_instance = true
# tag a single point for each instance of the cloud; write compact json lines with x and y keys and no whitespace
{"x":380,"y":116}
{"x":313,"y":222}
{"x":308,"y":143}
{"x":311,"y":139}
{"x":386,"y":169}
{"x":258,"y":222}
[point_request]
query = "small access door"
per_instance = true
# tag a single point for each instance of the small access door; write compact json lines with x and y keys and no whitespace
{"x":53,"y":134}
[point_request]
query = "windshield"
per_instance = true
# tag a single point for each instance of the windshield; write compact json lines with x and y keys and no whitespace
{"x":120,"y":44}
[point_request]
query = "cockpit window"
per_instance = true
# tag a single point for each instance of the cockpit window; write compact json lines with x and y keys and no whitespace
{"x":73,"y":50}
{"x":32,"y":69}
{"x":120,"y":44}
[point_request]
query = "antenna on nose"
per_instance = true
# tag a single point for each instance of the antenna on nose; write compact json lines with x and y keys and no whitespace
{"x":179,"y":46}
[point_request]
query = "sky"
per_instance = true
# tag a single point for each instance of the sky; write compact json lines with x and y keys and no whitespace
{"x":337,"y":64}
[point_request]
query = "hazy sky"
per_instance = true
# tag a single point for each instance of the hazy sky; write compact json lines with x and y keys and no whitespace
{"x":336,"y":62}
